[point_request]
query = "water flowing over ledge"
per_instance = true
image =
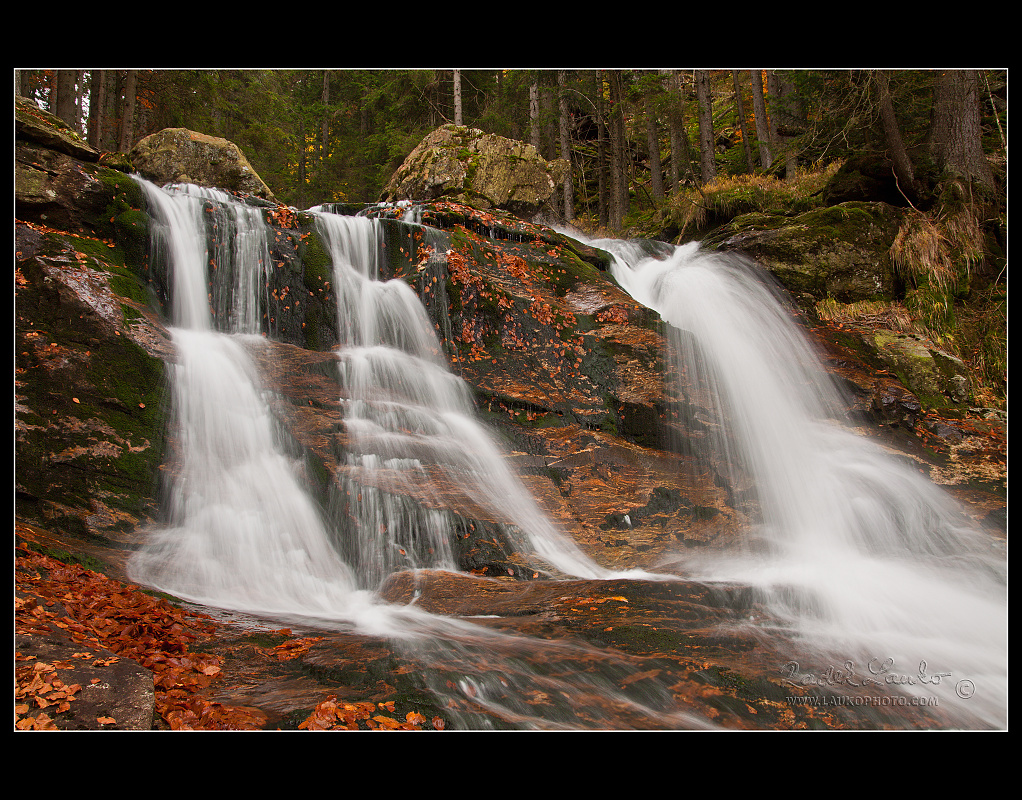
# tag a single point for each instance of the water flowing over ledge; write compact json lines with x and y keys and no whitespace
{"x":862,"y":556}
{"x":853,"y":554}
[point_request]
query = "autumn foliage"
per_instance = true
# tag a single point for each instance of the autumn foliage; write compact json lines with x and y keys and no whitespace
{"x":95,"y":612}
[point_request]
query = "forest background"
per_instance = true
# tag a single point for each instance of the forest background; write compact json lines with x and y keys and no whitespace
{"x":632,"y":137}
{"x":660,"y":153}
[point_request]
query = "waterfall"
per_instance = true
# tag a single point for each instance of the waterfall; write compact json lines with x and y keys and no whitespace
{"x":859,"y":553}
{"x":413,"y":430}
{"x":242,"y":532}
{"x":856,"y":554}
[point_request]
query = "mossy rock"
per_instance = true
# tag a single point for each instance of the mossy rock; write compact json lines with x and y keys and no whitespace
{"x":842,"y":251}
{"x":937,"y":378}
{"x":89,"y":415}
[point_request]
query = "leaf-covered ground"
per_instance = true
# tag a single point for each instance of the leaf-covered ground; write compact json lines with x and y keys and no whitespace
{"x":102,"y":620}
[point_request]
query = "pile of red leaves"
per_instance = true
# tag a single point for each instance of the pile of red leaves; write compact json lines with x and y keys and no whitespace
{"x":38,"y":685}
{"x":95,"y":611}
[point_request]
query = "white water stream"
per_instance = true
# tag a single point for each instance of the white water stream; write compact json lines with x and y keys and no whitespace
{"x":860,"y":555}
{"x":864,"y":557}
{"x":412,"y":423}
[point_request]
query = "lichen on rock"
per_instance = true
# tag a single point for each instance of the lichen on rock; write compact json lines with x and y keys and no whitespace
{"x":479,"y":169}
{"x":178,"y":155}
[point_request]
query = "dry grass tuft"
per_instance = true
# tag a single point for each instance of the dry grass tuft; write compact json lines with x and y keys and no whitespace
{"x":889,"y":315}
{"x":920,"y":250}
{"x":940,"y":250}
{"x":741,"y":194}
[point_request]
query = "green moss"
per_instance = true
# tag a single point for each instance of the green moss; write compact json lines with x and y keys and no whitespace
{"x":650,"y":639}
{"x":317,"y":265}
{"x":124,"y":220}
{"x":67,"y":557}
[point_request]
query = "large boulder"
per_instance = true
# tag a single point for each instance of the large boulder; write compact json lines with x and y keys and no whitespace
{"x":482,"y":170}
{"x":841,"y":252}
{"x":178,"y":155}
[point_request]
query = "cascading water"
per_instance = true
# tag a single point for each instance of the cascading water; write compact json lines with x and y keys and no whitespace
{"x":862,"y":556}
{"x":242,"y":532}
{"x":412,"y":427}
{"x":859,"y":556}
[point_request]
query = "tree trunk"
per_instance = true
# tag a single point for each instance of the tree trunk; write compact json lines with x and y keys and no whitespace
{"x":785,"y":118}
{"x":681,"y":152}
{"x":534,"y":137}
{"x":903,"y":170}
{"x":457,"y":98}
{"x":602,"y":182}
{"x":706,"y":141}
{"x":656,"y":169}
{"x":302,"y":168}
{"x":97,"y":96}
{"x":547,"y":109}
{"x":565,"y":130}
{"x":618,"y":144}
{"x":955,"y":136}
{"x":740,"y":104}
{"x":766,"y":158}
{"x":62,"y":103}
{"x":111,"y":113}
{"x":128,"y":114}
{"x":325,"y":131}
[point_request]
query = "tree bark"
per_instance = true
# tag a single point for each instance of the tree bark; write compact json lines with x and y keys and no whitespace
{"x":766,"y":158}
{"x":681,"y":151}
{"x":128,"y":113}
{"x":110,"y":122}
{"x":786,"y":118}
{"x":602,"y":182}
{"x":62,"y":103}
{"x":955,"y":136}
{"x":903,"y":169}
{"x":565,"y":131}
{"x":656,"y":169}
{"x":458,"y":120}
{"x":706,"y":141}
{"x":325,"y":130}
{"x":534,"y":137}
{"x":618,"y":145}
{"x":97,"y":96}
{"x":740,"y":104}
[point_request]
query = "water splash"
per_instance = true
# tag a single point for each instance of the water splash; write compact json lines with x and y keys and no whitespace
{"x":861,"y":555}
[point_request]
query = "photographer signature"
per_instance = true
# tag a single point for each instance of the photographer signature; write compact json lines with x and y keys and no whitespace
{"x":878,"y":673}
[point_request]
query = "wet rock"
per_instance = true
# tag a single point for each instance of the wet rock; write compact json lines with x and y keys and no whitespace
{"x":88,"y":389}
{"x":111,"y":693}
{"x":33,"y":124}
